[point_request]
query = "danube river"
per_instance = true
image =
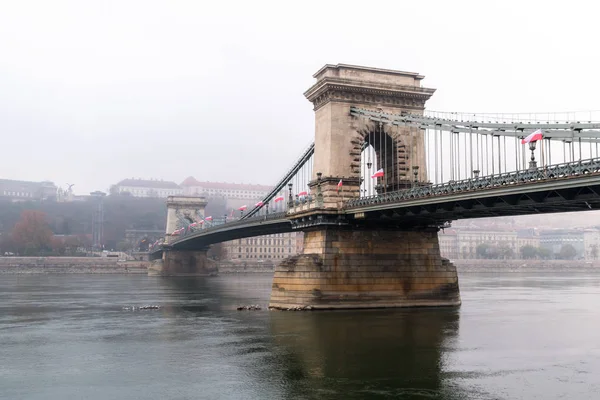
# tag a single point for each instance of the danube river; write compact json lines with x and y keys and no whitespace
{"x":516,"y":336}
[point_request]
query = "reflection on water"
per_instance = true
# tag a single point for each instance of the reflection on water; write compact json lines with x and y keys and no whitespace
{"x":515,"y":337}
{"x":357,"y":354}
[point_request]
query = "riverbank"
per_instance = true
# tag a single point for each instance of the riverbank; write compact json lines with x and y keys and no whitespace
{"x":70,"y":265}
{"x":231,"y":267}
{"x":542,"y":266}
{"x":102,"y":265}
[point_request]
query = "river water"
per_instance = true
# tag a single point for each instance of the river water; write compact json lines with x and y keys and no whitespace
{"x":516,"y":336}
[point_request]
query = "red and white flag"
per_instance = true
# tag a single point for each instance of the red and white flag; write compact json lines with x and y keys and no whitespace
{"x":279,"y":198}
{"x":242,"y":208}
{"x":208,"y":219}
{"x":533,"y":137}
{"x":378,"y":174}
{"x":339,"y":186}
{"x":259,"y":204}
{"x":302,"y":193}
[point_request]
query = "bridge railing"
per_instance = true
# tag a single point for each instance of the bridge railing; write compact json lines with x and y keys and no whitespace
{"x":240,"y":222}
{"x":552,"y":172}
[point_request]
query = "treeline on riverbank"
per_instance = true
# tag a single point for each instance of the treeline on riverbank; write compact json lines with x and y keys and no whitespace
{"x":50,"y":228}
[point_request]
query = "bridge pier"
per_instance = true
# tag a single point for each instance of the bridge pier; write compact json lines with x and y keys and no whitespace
{"x":183,"y":263}
{"x":370,"y":268}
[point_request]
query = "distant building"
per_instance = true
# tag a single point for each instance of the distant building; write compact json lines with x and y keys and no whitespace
{"x":555,"y":239}
{"x":270,"y":247}
{"x":462,"y":243}
{"x":27,"y":190}
{"x":591,"y":244}
{"x":147,"y":188}
{"x":527,"y":237}
{"x":241,"y":191}
{"x":448,"y":240}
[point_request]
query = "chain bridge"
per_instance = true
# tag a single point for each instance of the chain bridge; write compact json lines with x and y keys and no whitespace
{"x":384,"y":175}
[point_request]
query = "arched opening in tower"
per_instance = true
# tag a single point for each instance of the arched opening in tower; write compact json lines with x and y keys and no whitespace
{"x":384,"y":164}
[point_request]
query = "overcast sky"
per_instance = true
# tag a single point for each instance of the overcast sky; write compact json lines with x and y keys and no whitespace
{"x":92,"y":92}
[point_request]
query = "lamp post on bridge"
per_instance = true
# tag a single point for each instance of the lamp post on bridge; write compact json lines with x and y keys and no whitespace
{"x":290,"y":198}
{"x":532,"y":162}
{"x":369,"y":164}
{"x":319,"y":193}
{"x":415,"y":173}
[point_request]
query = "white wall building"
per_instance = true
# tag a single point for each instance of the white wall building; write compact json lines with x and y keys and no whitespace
{"x":147,"y":188}
{"x":241,"y":191}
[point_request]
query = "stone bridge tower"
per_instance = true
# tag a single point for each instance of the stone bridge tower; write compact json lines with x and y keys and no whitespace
{"x":340,"y":137}
{"x":182,"y":211}
{"x":350,"y":261}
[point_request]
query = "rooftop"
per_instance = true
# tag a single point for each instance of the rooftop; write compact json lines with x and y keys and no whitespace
{"x":339,"y":67}
{"x":151,"y":183}
{"x":191,"y":181}
{"x":26,"y":186}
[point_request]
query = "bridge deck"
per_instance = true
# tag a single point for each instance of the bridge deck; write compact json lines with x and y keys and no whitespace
{"x":558,"y":188}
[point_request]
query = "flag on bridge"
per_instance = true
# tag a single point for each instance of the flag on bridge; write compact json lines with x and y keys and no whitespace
{"x":378,"y":174}
{"x":302,"y":193}
{"x":259,"y":204}
{"x":242,"y":208}
{"x":279,"y":198}
{"x":339,"y":185}
{"x":209,"y":218}
{"x":534,"y":136}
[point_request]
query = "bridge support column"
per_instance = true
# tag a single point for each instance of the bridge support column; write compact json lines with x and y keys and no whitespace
{"x":184,"y":263}
{"x":342,"y":268}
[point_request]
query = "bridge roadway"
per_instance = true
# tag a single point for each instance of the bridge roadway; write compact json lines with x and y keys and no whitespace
{"x":558,"y":188}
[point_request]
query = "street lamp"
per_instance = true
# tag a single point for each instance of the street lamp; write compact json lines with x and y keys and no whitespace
{"x":415,"y":169}
{"x":290,"y":198}
{"x":476,"y":173}
{"x":319,"y":193}
{"x":532,"y":162}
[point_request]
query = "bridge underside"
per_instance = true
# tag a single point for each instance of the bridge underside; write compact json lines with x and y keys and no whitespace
{"x":555,"y":197}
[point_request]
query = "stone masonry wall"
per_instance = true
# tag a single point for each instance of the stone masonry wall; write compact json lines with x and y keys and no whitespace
{"x":184,"y":263}
{"x":70,"y":265}
{"x":366,"y":269}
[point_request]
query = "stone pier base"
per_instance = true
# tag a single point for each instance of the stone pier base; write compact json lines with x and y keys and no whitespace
{"x":183,"y":263}
{"x":366,"y":269}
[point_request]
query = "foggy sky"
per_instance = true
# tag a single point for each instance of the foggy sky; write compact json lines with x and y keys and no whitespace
{"x":92,"y":92}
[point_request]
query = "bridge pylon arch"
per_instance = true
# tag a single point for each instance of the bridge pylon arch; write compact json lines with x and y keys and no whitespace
{"x":340,"y":138}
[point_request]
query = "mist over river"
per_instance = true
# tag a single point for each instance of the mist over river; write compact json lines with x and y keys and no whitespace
{"x":516,"y":336}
